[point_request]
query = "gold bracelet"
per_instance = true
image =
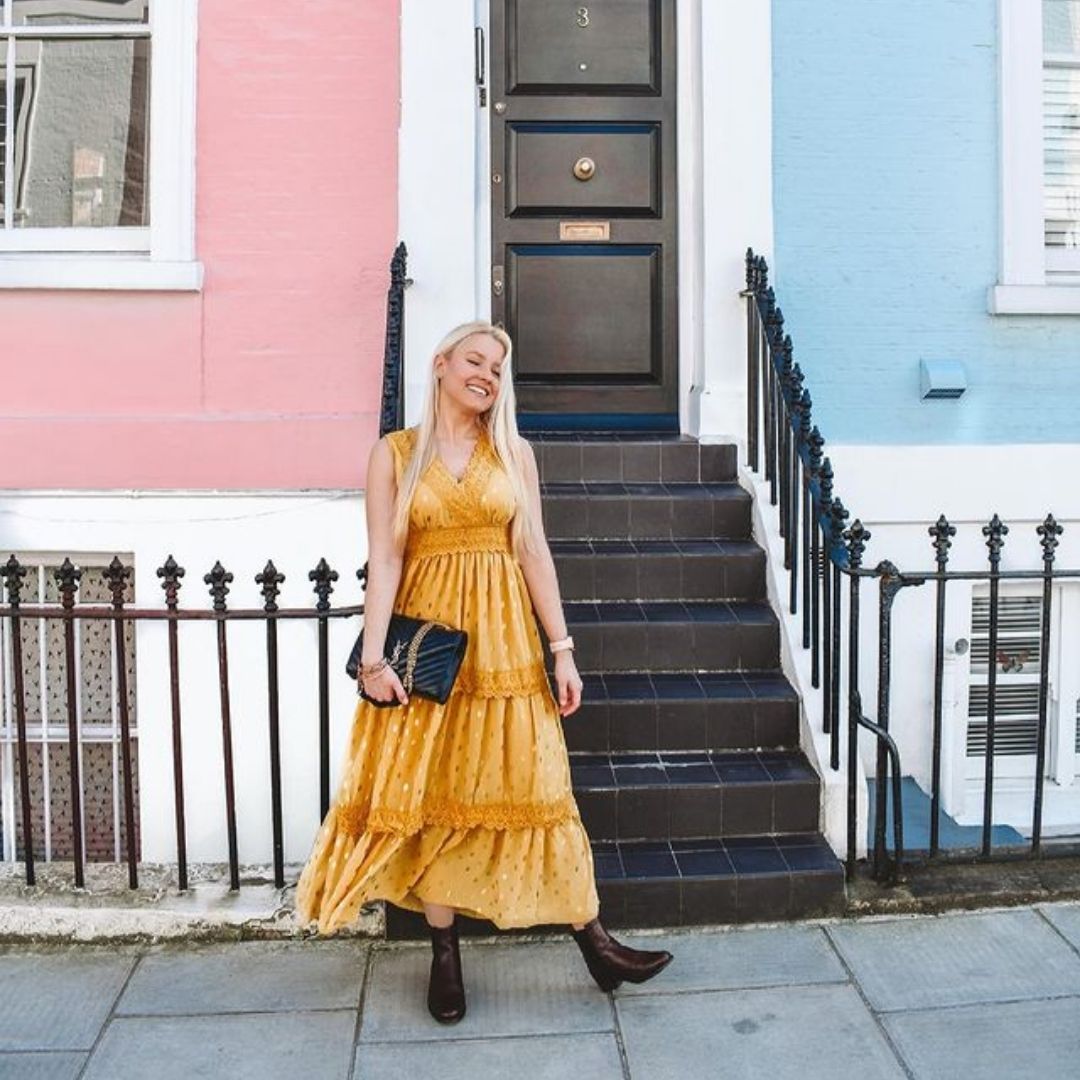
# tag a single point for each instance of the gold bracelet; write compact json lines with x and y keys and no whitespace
{"x":374,"y":669}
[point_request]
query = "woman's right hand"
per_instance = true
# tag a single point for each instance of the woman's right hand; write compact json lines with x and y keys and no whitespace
{"x":384,"y":686}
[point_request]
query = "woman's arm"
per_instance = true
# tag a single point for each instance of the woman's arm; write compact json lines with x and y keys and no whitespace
{"x":538,"y":569}
{"x":384,"y":570}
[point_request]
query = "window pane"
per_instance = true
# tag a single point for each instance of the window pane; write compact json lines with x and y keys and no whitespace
{"x":1061,"y":26}
{"x":81,"y":12}
{"x":86,"y":133}
{"x":1061,"y":156}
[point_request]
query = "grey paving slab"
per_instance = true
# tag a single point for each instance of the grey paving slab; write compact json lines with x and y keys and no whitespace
{"x":58,"y":1000}
{"x":43,"y":1065}
{"x":266,"y":1046}
{"x":957,"y":959}
{"x":1066,"y":917}
{"x":727,"y":960}
{"x":779,"y":1034}
{"x":1036,"y":1039}
{"x":246,"y":977}
{"x":514,"y":989}
{"x":543,"y":1057}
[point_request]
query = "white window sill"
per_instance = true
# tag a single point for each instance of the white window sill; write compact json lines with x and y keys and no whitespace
{"x":1033,"y":300}
{"x":99,"y":272}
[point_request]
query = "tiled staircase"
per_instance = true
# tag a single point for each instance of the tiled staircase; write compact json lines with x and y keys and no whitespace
{"x":685,"y":751}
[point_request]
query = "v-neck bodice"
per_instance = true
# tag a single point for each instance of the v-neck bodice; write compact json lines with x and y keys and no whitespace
{"x":482,"y":499}
{"x":481,"y":436}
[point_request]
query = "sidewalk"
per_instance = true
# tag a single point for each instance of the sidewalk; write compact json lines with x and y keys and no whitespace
{"x":974,"y":995}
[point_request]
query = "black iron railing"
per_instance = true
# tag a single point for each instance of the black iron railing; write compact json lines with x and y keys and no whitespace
{"x":821,"y":550}
{"x":392,"y":413}
{"x":69,"y":613}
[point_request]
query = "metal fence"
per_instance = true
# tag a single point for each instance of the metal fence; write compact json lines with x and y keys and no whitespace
{"x":823,"y":548}
{"x":69,"y":615}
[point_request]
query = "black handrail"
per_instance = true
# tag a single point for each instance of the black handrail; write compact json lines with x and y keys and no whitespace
{"x":820,"y":549}
{"x":392,"y":412}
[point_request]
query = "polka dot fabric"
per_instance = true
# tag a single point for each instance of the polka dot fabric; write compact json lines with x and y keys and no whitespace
{"x":469,"y":803}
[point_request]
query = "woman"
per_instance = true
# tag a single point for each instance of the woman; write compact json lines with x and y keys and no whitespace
{"x":465,"y":806}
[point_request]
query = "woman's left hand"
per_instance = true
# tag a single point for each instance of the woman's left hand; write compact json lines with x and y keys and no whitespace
{"x":568,"y":681}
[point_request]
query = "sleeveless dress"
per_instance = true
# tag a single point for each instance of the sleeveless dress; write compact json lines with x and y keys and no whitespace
{"x":466,"y":804}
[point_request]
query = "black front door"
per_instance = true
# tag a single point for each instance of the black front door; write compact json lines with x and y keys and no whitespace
{"x":584,"y":253}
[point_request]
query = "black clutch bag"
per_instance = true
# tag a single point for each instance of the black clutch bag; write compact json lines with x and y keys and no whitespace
{"x":425,"y":655}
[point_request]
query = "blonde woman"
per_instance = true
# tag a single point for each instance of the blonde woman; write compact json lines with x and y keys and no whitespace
{"x":465,"y":806}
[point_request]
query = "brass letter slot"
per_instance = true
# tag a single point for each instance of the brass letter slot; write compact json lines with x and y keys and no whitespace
{"x":584,"y":230}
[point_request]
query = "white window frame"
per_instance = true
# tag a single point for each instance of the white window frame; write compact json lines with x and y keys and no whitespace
{"x":161,"y":256}
{"x":1026,"y":284}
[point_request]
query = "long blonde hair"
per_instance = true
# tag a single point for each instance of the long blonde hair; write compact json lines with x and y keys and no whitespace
{"x":501,"y":424}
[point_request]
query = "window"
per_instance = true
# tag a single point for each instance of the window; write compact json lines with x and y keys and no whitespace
{"x":1061,"y":134}
{"x":1016,"y":695}
{"x":97,"y":709}
{"x":96,"y":117}
{"x":1039,"y":91}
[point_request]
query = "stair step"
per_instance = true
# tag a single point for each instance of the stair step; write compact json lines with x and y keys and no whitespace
{"x":631,"y":457}
{"x":658,"y":635}
{"x":695,"y":882}
{"x":641,"y":511}
{"x":684,"y":711}
{"x":657,"y":883}
{"x":659,"y":569}
{"x":683,"y":795}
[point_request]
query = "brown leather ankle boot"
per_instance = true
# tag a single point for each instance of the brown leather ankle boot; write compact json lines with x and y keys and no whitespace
{"x":446,"y":988}
{"x":610,"y":962}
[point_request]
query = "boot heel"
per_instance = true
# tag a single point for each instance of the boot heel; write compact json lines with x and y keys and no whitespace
{"x":610,"y":962}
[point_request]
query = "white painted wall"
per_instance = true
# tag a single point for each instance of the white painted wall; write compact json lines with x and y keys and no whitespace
{"x":243,"y":531}
{"x":736,"y":134}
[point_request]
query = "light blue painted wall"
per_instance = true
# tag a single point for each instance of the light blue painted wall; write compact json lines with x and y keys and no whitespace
{"x":886,"y":227}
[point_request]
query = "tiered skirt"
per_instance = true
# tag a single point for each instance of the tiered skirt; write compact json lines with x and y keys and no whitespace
{"x":466,"y":804}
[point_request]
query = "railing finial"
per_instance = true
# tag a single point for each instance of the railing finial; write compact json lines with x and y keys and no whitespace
{"x":13,"y":573}
{"x":67,"y":577}
{"x":1049,"y":530}
{"x":324,"y":577}
{"x":269,"y":579}
{"x":116,"y":576}
{"x":942,"y":532}
{"x":995,"y":534}
{"x":218,"y":579}
{"x":857,"y":536}
{"x":170,"y":573}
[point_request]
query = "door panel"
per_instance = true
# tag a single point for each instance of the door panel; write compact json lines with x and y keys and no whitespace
{"x":608,"y":45}
{"x":576,"y":341}
{"x":626,"y":182}
{"x":584,"y":232}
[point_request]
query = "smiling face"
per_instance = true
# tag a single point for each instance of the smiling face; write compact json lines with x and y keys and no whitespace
{"x":471,"y":372}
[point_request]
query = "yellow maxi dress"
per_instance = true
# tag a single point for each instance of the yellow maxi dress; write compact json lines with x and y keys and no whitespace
{"x":469,"y":803}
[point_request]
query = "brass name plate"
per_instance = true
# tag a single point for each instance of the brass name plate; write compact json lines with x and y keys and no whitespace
{"x":584,"y":230}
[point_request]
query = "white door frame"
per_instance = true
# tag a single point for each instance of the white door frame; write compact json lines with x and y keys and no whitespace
{"x":725,"y":190}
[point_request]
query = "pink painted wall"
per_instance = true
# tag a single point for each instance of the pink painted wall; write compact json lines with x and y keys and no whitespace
{"x":270,"y":377}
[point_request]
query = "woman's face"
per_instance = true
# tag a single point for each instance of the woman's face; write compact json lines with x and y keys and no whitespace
{"x":470,"y":373}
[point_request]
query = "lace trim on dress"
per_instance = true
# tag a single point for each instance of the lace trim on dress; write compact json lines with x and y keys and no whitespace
{"x":452,"y":540}
{"x":508,"y":682}
{"x":356,"y":819}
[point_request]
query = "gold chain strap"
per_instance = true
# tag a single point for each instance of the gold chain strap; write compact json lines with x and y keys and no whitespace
{"x":413,"y":654}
